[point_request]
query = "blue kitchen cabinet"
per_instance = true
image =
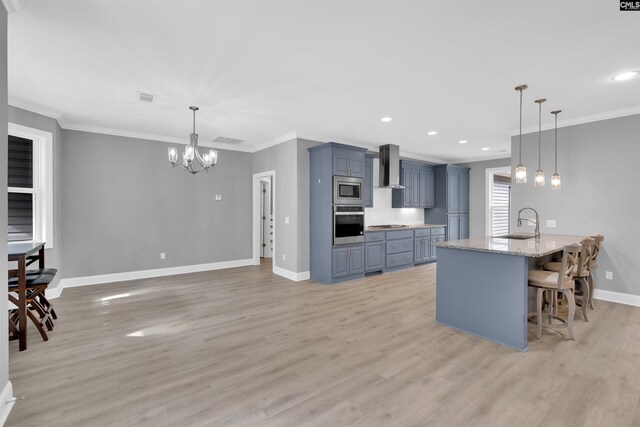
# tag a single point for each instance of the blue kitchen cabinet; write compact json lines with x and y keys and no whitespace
{"x":348,"y":162}
{"x":348,"y":261}
{"x":418,"y":180}
{"x":374,"y":256}
{"x":368,"y":181}
{"x":451,"y":201}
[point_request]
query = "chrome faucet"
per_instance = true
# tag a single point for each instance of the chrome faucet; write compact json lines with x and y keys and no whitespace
{"x":537,"y":222}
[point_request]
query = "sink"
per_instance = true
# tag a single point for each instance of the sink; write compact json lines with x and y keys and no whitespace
{"x":515,"y":236}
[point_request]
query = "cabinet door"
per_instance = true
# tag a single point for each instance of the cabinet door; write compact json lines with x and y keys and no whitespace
{"x":374,"y":256}
{"x":434,"y":240}
{"x":418,"y":250}
{"x":368,"y":182}
{"x":464,"y":192}
{"x":427,"y":188}
{"x":340,"y":262}
{"x":407,"y":175}
{"x":453,"y":192}
{"x":464,"y":226}
{"x":356,"y":260}
{"x":340,"y":163}
{"x":415,"y":188}
{"x":356,"y":165}
{"x":453,"y":227}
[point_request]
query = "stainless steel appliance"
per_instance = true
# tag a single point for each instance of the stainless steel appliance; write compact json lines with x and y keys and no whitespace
{"x":348,"y":190}
{"x":348,"y":224}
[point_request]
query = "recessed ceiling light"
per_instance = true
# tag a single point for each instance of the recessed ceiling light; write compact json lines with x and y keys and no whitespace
{"x":485,"y":148}
{"x":625,"y":76}
{"x":385,"y":119}
{"x":464,"y":141}
{"x":432,"y":132}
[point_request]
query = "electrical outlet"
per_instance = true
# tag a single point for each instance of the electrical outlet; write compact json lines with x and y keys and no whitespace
{"x":284,"y":257}
{"x":286,"y":220}
{"x":162,"y":255}
{"x":551,"y":223}
{"x":218,"y":197}
{"x":608,"y":275}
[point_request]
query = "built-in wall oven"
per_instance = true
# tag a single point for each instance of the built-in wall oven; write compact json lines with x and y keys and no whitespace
{"x":348,"y":224}
{"x":348,"y":190}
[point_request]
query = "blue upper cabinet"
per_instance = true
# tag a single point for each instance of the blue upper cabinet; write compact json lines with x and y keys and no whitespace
{"x":418,"y":180}
{"x":348,"y":162}
{"x":368,"y":181}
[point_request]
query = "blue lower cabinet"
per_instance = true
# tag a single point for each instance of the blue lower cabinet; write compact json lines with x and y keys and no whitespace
{"x":374,"y":256}
{"x":434,"y":240}
{"x":422,"y":250}
{"x":348,"y":262}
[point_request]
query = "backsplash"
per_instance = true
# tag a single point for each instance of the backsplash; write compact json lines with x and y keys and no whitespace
{"x":382,"y":212}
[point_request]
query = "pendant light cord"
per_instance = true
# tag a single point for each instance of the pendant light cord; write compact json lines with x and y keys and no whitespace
{"x":539,"y":133}
{"x":520,"y":150}
{"x":194,"y":121}
{"x":556,"y":142}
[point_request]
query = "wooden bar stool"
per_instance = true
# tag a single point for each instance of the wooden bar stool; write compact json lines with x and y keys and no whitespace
{"x":35,"y":302}
{"x":553,"y":282}
{"x":592,"y":266}
{"x":581,"y":273}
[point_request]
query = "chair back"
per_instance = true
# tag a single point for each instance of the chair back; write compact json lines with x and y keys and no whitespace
{"x":596,"y":251}
{"x":585,"y":257}
{"x":569,"y":262}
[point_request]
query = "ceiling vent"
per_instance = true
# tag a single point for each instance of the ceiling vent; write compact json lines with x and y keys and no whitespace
{"x":227,"y":140}
{"x":145,"y":97}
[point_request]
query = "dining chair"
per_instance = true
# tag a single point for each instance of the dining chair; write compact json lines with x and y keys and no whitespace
{"x":594,"y":265}
{"x":544,"y":281}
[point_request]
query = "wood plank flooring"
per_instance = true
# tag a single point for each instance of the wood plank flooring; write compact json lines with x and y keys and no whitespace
{"x":244,"y":347}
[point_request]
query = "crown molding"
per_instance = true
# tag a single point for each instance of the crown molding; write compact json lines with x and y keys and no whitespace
{"x":613,"y":114}
{"x":13,"y":6}
{"x":481,"y":159}
{"x":275,"y":141}
{"x":23,"y":105}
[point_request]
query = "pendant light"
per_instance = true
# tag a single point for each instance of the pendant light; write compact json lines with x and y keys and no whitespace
{"x":521,"y":171}
{"x":192,"y":161}
{"x":539,"y":180}
{"x":556,"y":183}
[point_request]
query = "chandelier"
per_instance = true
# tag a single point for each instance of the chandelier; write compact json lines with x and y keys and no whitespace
{"x":192,"y":161}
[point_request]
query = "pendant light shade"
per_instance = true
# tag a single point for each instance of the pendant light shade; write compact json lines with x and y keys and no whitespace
{"x":521,"y":171}
{"x":539,"y":180}
{"x":556,"y":182}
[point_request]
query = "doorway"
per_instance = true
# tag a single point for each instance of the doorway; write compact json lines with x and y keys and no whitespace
{"x":264,"y":214}
{"x":498,"y":204}
{"x":266,"y":218}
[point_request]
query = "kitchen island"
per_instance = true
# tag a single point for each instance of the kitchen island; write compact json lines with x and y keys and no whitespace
{"x":482,"y":283}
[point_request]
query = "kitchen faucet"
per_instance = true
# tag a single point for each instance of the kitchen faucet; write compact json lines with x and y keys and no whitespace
{"x":537,"y":221}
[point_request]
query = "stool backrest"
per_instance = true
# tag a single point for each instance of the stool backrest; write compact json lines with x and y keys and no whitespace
{"x":586,"y":255}
{"x":569,"y":263}
{"x":596,"y":251}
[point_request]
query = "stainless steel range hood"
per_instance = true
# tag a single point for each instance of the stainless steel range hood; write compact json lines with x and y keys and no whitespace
{"x":390,"y":166}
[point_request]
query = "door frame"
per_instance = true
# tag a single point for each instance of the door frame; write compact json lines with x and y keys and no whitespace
{"x":256,"y":215}
{"x":490,"y":172}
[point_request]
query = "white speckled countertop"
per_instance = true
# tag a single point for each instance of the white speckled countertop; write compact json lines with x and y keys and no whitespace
{"x":547,"y":244}
{"x":408,"y":227}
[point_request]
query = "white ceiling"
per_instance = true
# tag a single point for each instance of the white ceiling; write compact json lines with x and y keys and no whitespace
{"x":327,"y":70}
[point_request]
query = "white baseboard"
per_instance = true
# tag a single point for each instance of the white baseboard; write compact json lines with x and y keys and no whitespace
{"x":618,"y":297}
{"x":296,"y":277}
{"x":6,"y":402}
{"x":142,"y":274}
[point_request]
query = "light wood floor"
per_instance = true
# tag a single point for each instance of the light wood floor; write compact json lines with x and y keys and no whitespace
{"x":243,"y":347}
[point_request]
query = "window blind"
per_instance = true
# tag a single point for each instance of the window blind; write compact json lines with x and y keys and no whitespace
{"x":500,"y":205}
{"x":20,"y":177}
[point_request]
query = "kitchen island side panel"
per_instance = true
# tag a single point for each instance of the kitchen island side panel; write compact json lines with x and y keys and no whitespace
{"x":484,"y":294}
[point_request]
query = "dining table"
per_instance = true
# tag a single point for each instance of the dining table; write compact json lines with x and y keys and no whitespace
{"x":25,"y":254}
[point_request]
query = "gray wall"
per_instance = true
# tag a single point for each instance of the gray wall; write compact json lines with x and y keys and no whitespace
{"x":478,"y":194}
{"x":27,"y":118}
{"x":4,"y":328}
{"x":123,"y":204}
{"x":598,"y":163}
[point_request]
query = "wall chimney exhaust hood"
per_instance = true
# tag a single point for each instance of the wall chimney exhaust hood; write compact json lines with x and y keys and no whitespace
{"x":390,"y":166}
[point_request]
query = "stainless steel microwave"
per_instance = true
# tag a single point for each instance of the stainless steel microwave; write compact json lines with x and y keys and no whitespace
{"x":348,"y":190}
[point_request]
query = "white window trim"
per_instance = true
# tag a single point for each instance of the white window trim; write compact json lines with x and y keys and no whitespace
{"x":489,"y":196}
{"x":42,"y":177}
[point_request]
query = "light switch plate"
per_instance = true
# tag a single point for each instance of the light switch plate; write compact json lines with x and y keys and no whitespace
{"x":608,"y":275}
{"x":286,"y":220}
{"x":551,"y":223}
{"x":218,"y":196}
{"x":162,"y":255}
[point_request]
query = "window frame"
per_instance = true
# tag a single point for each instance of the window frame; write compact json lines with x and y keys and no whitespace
{"x":42,"y":181}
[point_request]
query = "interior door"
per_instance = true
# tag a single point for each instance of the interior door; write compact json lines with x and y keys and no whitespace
{"x":266,"y":219}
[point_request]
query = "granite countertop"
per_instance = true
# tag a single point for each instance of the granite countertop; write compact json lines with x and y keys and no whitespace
{"x":407,"y":227}
{"x":547,"y":244}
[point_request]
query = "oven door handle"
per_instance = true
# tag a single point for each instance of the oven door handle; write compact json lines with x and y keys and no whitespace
{"x":348,"y":213}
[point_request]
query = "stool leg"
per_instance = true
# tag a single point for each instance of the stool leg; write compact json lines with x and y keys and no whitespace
{"x":572,"y":312}
{"x":539,"y":296}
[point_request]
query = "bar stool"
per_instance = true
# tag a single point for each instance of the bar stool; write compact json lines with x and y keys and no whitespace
{"x":592,"y":266}
{"x":37,"y":283}
{"x":553,"y":282}
{"x":581,"y":273}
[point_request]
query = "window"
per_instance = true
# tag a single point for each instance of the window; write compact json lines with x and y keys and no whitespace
{"x":498,"y":193}
{"x":30,"y":185}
